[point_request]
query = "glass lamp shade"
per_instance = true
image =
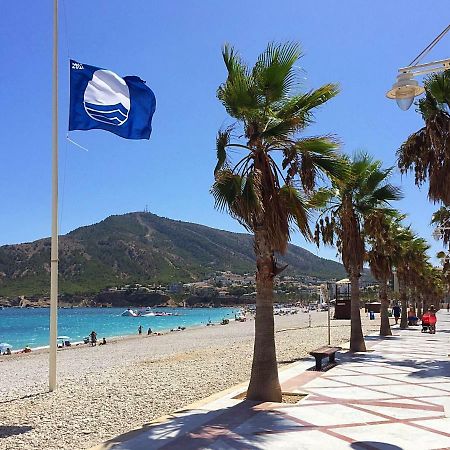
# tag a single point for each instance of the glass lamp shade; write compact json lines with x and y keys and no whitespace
{"x":405,"y":102}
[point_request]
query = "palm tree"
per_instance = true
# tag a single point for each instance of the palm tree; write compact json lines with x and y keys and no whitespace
{"x":411,"y":258}
{"x":345,"y":208}
{"x":431,"y":284}
{"x":441,"y":219}
{"x":427,"y":151}
{"x":381,"y":230}
{"x":268,"y":198}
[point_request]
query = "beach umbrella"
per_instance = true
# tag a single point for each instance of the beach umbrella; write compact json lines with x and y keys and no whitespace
{"x":4,"y":346}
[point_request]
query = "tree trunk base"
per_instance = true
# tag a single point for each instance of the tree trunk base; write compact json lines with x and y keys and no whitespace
{"x":264,"y":393}
{"x":360,"y":347}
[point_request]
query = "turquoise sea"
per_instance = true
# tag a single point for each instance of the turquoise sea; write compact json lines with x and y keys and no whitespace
{"x":30,"y":326}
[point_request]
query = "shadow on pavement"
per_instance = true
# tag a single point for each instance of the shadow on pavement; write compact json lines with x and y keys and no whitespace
{"x":293,"y":360}
{"x":380,"y":338}
{"x":428,"y":368}
{"x":13,"y":430}
{"x":244,"y":425}
{"x":373,"y":445}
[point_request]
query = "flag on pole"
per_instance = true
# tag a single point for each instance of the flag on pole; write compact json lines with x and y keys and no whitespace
{"x":103,"y":100}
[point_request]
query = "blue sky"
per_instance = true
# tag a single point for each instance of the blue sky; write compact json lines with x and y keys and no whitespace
{"x":175,"y":46}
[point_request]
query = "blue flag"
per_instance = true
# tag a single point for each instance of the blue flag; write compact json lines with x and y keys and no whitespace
{"x":102,"y":99}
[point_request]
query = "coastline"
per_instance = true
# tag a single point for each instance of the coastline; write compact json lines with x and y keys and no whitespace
{"x":110,"y":340}
{"x":110,"y":324}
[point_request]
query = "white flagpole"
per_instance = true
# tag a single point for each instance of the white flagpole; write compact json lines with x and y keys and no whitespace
{"x":54,"y":248}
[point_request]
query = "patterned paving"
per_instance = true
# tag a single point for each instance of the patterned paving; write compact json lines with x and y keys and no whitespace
{"x":393,"y":397}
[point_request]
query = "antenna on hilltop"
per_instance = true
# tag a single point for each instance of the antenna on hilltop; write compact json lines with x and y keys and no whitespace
{"x":146,"y":209}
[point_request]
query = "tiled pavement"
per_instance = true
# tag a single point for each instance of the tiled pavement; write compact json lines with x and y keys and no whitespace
{"x":396,"y":396}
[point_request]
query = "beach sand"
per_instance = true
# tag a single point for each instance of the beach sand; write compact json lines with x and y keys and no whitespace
{"x":107,"y":390}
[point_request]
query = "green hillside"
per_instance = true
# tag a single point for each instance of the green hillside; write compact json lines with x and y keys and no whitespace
{"x":140,"y":248}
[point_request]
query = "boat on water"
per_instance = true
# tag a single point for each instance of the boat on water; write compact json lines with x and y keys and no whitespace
{"x":147,"y":312}
{"x":130,"y":313}
{"x":150,"y":313}
{"x":162,"y":314}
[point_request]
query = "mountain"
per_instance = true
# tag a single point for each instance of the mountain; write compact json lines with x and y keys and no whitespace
{"x":140,"y":248}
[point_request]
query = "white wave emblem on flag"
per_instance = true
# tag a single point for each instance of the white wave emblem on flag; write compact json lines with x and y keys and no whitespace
{"x":107,"y":98}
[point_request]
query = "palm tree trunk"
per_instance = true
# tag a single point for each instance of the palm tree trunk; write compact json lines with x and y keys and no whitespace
{"x":357,"y":343}
{"x":385,"y":327}
{"x":404,"y":305}
{"x":264,"y":384}
{"x":419,"y":307}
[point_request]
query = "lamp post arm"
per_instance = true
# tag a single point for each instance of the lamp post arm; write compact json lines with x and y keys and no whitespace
{"x":422,"y":69}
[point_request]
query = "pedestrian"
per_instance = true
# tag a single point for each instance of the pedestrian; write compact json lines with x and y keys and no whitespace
{"x":412,"y":318}
{"x":397,"y":311}
{"x":433,"y":319}
{"x":429,"y":320}
{"x":149,"y":332}
{"x":140,"y":329}
{"x":448,"y":307}
{"x":93,"y":336}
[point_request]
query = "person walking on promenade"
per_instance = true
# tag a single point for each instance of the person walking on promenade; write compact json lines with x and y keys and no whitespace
{"x":397,"y":311}
{"x":140,"y":329}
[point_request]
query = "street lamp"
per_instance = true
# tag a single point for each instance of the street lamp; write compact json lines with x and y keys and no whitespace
{"x":438,"y":232}
{"x":405,"y":89}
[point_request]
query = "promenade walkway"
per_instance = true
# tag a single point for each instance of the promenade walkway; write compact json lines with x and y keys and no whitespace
{"x":395,"y":396}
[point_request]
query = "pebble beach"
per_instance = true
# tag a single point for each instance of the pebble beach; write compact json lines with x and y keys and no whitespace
{"x":108,"y":390}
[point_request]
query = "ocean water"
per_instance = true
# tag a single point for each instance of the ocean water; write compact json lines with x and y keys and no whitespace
{"x":30,"y":326}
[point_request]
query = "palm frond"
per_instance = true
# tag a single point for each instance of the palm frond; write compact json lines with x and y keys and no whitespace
{"x":438,"y":85}
{"x":302,"y":105}
{"x":226,"y":189}
{"x":296,"y":208}
{"x":280,"y":128}
{"x":376,"y":176}
{"x":237,"y":93}
{"x":322,"y":152}
{"x":222,"y":140}
{"x":320,"y":198}
{"x":296,"y":113}
{"x":387,"y":193}
{"x":273,"y":72}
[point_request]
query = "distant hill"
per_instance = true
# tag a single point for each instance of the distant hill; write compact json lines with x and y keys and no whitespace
{"x":141,"y":248}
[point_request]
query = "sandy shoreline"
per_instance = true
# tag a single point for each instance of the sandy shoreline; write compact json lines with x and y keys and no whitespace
{"x":110,"y":340}
{"x":107,"y":390}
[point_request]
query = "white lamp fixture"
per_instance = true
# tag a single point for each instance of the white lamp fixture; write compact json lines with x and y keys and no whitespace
{"x":406,"y":88}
